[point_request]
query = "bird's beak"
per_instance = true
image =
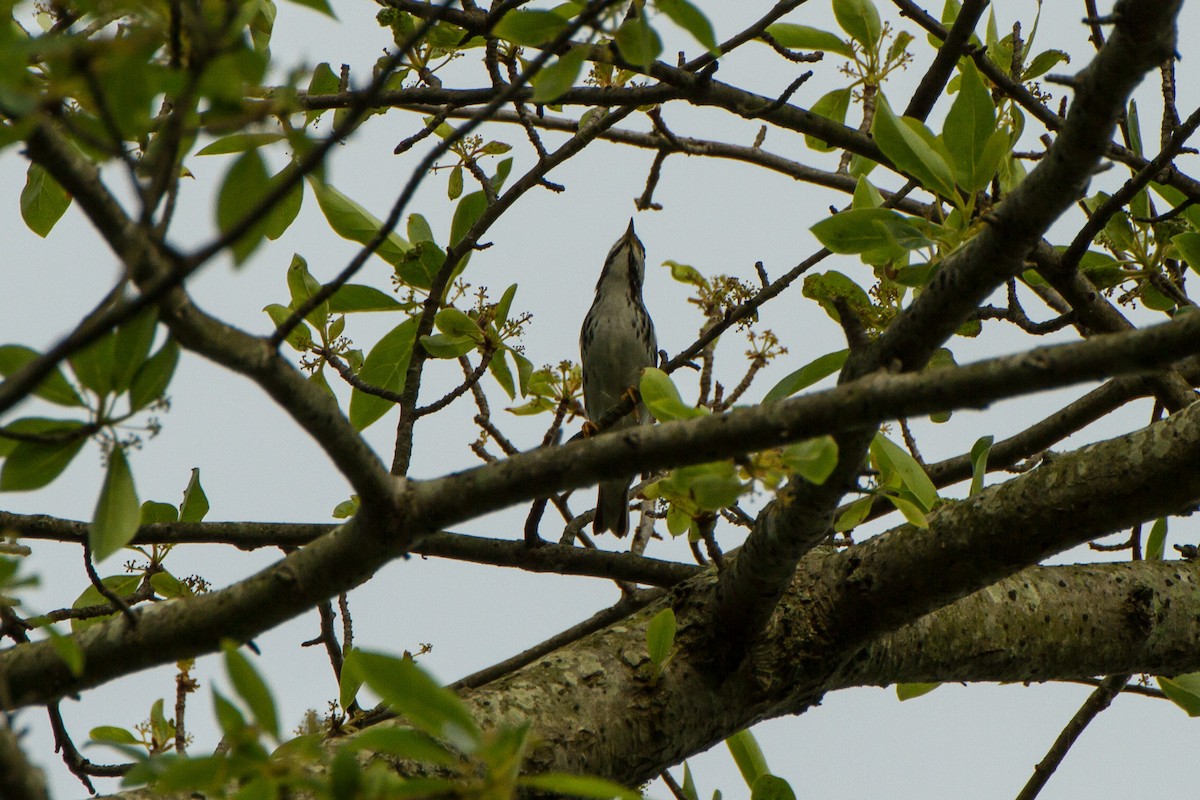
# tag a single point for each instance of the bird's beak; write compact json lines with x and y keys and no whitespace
{"x":629,"y":232}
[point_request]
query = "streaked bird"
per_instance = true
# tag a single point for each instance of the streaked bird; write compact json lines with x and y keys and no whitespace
{"x":616,"y":343}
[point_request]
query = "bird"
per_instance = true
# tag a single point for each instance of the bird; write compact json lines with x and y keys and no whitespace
{"x":615,"y":344}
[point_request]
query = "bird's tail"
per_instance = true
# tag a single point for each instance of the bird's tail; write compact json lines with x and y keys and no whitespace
{"x":612,"y":507}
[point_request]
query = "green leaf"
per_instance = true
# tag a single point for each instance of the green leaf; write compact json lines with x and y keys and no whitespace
{"x":32,"y":465}
{"x":154,"y":376}
{"x":323,"y":81}
{"x":350,"y":679}
{"x":115,"y":521}
{"x":43,"y":201}
{"x":441,"y":346}
{"x":689,"y":784}
{"x":862,"y":230}
{"x":241,"y":142}
{"x":859,"y":19}
{"x":691,"y":19}
{"x":816,"y":370}
{"x":979,"y":457}
{"x":802,"y":37}
{"x":168,"y":586}
{"x":500,"y":315}
{"x":907,"y":691}
{"x":1157,"y":540}
{"x":893,"y":458}
{"x":833,"y":106}
{"x":403,"y":743}
{"x":498,"y":368}
{"x":748,"y":756}
{"x":351,"y":221}
{"x":317,"y":5}
{"x":419,"y":230}
{"x":454,"y":186}
{"x":95,"y":364}
{"x":529,"y":28}
{"x":284,"y":213}
{"x":245,"y":185}
{"x":385,"y":367}
{"x":410,"y":691}
{"x":771,"y":787}
{"x":120,"y":585}
{"x":660,"y":636}
{"x":466,"y":214}
{"x":813,"y":459}
{"x":131,"y":346}
{"x":54,"y":387}
{"x":638,"y":42}
{"x":1183,"y":691}
{"x":300,"y":337}
{"x":353,"y":297}
{"x":555,"y":79}
{"x":577,"y":786}
{"x":829,"y":287}
{"x":911,"y":511}
{"x":301,"y":286}
{"x":111,"y":734}
{"x":153,"y":512}
{"x":1188,"y":245}
{"x":662,"y":398}
{"x":853,"y":516}
{"x":252,"y":689}
{"x":912,"y":148}
{"x":228,"y":716}
{"x":69,"y":650}
{"x":194,"y":506}
{"x":454,"y":322}
{"x":1043,"y":62}
{"x":969,"y":125}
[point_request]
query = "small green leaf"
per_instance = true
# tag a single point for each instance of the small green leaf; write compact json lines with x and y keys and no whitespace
{"x":689,"y":784}
{"x":1043,"y":62}
{"x":802,"y":37}
{"x":859,"y":19}
{"x":685,"y":273}
{"x":43,"y":201}
{"x":466,"y":214}
{"x":454,"y":186}
{"x":969,"y":125}
{"x":32,"y":465}
{"x":529,"y":27}
{"x":638,"y":42}
{"x":893,"y":458}
{"x":228,"y":716}
{"x":167,"y":585}
{"x":195,"y":502}
{"x":454,"y":322}
{"x":832,"y":105}
{"x":284,"y":213}
{"x":111,"y":734}
{"x":323,"y":81}
{"x":853,"y":516}
{"x":95,"y":364}
{"x":691,"y":19}
{"x":911,"y":511}
{"x":153,"y":512}
{"x":154,"y":376}
{"x":912,"y":148}
{"x":301,"y":286}
{"x":409,"y":690}
{"x":812,"y":372}
{"x":556,"y":79}
{"x":321,"y":6}
{"x":771,"y":787}
{"x":662,"y":398}
{"x":71,"y":653}
{"x":385,"y":367}
{"x":243,"y":189}
{"x":561,"y":783}
{"x":748,"y":756}
{"x":979,"y":457}
{"x":115,"y":521}
{"x":1157,"y":540}
{"x":350,"y":679}
{"x":498,"y":368}
{"x":120,"y":585}
{"x":1183,"y":691}
{"x":813,"y":459}
{"x":500,"y":315}
{"x":252,"y":689}
{"x":353,"y":297}
{"x":441,"y":346}
{"x":1188,"y":245}
{"x":907,"y":691}
{"x":660,"y":636}
{"x":404,"y":743}
{"x":131,"y":346}
{"x":298,"y":338}
{"x":54,"y":387}
{"x":861,"y":230}
{"x":351,"y":221}
{"x":241,"y":142}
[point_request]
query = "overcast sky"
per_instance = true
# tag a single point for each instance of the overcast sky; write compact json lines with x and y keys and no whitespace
{"x":720,"y":217}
